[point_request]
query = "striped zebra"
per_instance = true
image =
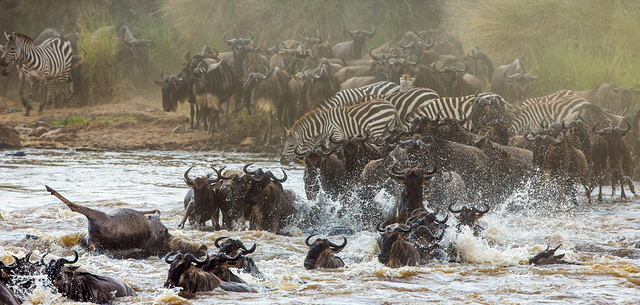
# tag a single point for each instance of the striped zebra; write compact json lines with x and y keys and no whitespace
{"x":546,"y":98}
{"x":355,"y":96}
{"x":49,"y":63}
{"x":564,"y":108}
{"x":340,"y":123}
{"x":406,"y":102}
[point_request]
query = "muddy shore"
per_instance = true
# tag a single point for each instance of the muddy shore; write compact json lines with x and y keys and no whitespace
{"x":134,"y":124}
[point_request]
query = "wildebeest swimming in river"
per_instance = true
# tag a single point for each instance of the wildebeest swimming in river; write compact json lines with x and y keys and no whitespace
{"x":129,"y":232}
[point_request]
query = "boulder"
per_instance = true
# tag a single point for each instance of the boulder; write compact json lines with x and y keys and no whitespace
{"x":9,"y":138}
{"x":38,"y":131}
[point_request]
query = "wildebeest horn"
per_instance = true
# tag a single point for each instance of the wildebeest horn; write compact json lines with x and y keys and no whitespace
{"x":349,"y":30}
{"x":75,"y":259}
{"x":552,"y":139}
{"x":306,"y":241}
{"x":193,"y":259}
{"x":245,"y":169}
{"x":219,"y":173}
{"x":443,"y":220}
{"x":624,"y":132}
{"x":272,"y":176}
{"x":408,"y":225}
{"x":379,"y":226}
{"x":483,"y":211}
{"x":12,"y":266}
{"x":373,"y":31}
{"x":512,"y":76}
{"x":228,"y":42}
{"x":188,"y":180}
{"x":172,"y":256}
{"x":217,"y":241}
{"x":338,"y":248}
{"x":424,"y":229}
{"x":530,"y":77}
{"x":162,"y":74}
{"x":246,"y":251}
{"x":395,"y":174}
{"x":452,"y":210}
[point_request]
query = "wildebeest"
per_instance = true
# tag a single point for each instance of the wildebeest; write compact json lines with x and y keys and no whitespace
{"x":468,"y":216}
{"x":7,"y":297}
{"x":212,"y":83}
{"x":316,"y":86}
{"x":396,"y":250}
{"x":323,"y":169}
{"x":548,"y":257}
{"x":270,"y":93}
{"x":353,"y":49}
{"x":512,"y":81}
{"x":232,"y":247}
{"x":185,"y":271}
{"x":457,"y":82}
{"x":618,"y":156}
{"x":321,"y":252}
{"x":127,"y":230}
{"x":411,"y":199}
{"x":83,"y":286}
{"x":204,"y":204}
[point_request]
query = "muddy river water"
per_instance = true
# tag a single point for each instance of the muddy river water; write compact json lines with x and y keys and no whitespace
{"x":603,"y":237}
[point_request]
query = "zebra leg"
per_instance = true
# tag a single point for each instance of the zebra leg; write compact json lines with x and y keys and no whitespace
{"x":49,"y":92}
{"x":25,"y":103}
{"x":66,"y":95}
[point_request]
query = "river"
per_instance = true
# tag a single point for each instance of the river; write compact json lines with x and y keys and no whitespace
{"x":604,"y":238}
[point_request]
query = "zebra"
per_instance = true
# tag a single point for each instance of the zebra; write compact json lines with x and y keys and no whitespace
{"x":338,"y":123}
{"x":564,"y":108}
{"x":406,"y":102}
{"x":349,"y":97}
{"x":461,"y":108}
{"x":49,"y":63}
{"x":546,"y":98}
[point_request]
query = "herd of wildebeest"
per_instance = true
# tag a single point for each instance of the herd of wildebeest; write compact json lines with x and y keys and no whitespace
{"x":408,"y":118}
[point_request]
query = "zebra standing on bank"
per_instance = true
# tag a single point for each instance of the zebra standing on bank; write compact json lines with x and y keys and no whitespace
{"x":463,"y":108}
{"x":339,"y":123}
{"x":48,"y":63}
{"x":564,"y":108}
{"x":350,"y":97}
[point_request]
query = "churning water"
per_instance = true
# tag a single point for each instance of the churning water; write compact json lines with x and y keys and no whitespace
{"x":604,"y":238}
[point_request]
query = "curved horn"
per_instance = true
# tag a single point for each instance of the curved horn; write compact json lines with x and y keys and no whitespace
{"x":306,"y":241}
{"x":246,"y":251}
{"x":228,"y":42}
{"x":373,"y":31}
{"x":217,"y":241}
{"x":231,"y":259}
{"x":408,"y":226}
{"x":188,"y":180}
{"x":454,"y":211}
{"x":379,"y":226}
{"x":75,"y":259}
{"x":220,"y":175}
{"x":245,"y":169}
{"x":624,"y":132}
{"x":272,"y":176}
{"x":443,"y":221}
{"x":338,"y":248}
{"x":512,"y":76}
{"x":193,"y":259}
{"x":530,"y":77}
{"x":484,"y":210}
{"x":424,"y":229}
{"x":172,"y":256}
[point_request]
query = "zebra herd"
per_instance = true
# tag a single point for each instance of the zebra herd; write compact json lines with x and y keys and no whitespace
{"x":48,"y":64}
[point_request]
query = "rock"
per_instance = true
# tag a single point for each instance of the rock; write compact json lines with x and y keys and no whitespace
{"x":249,"y":141}
{"x":9,"y":138}
{"x":23,"y":130}
{"x":11,"y":110}
{"x":16,"y":154}
{"x":42,"y":124}
{"x":38,"y":131}
{"x":59,"y":135}
{"x":180,"y":129}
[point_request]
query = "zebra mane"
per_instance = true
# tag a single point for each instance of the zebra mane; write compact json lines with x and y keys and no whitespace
{"x":21,"y":36}
{"x":304,"y":117}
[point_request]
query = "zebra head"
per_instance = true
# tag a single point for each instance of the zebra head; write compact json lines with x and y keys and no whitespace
{"x":13,"y":48}
{"x":289,"y":146}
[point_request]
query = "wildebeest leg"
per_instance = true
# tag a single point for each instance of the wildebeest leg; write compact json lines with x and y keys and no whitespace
{"x":187,"y":212}
{"x":25,"y":103}
{"x":621,"y":180}
{"x":192,"y":112}
{"x":90,"y":213}
{"x":632,"y":188}
{"x":267,"y":131}
{"x":66,"y":95}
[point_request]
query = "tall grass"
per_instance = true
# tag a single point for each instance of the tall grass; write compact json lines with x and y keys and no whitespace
{"x":571,"y":44}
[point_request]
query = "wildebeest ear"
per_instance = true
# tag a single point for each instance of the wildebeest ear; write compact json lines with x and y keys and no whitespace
{"x":187,"y":56}
{"x":159,"y":83}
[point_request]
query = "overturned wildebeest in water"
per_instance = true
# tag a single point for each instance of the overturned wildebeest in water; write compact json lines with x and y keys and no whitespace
{"x":128,"y":233}
{"x":83,"y":286}
{"x":233,"y":247}
{"x":186,"y":272}
{"x":548,"y":257}
{"x":321,"y":252}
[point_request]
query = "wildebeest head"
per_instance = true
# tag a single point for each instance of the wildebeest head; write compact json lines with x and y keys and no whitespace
{"x":395,"y":250}
{"x":232,"y":246}
{"x":469,"y":216}
{"x":451,"y":75}
{"x":487,"y":110}
{"x":320,"y":251}
{"x":316,"y":85}
{"x":173,"y":90}
{"x":519,"y":82}
{"x":548,"y":257}
{"x":179,"y":264}
{"x":221,"y":262}
{"x":359,"y":37}
{"x":252,"y":81}
{"x":54,"y":267}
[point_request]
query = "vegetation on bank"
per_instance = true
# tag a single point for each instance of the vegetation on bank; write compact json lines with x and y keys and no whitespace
{"x":571,"y":44}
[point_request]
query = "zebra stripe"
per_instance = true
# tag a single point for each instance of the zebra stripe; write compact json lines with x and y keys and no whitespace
{"x":340,"y":122}
{"x":458,"y":108}
{"x":349,"y":97}
{"x":49,"y":62}
{"x":406,"y":102}
{"x":564,"y":108}
{"x":546,"y":98}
